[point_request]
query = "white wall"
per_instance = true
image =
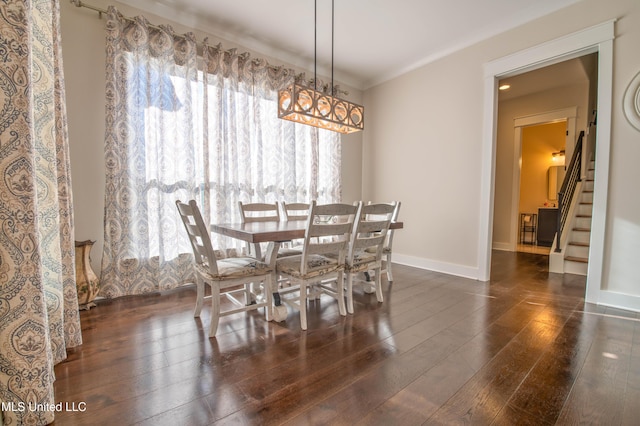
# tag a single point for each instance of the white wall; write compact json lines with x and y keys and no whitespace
{"x":83,"y":49}
{"x":83,"y":53}
{"x":423,"y":147}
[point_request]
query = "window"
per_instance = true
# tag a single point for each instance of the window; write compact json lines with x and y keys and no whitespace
{"x":203,"y":128}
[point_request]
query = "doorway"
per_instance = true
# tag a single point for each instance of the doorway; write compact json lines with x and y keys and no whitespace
{"x":534,"y":124}
{"x":598,"y":39}
{"x":541,"y":161}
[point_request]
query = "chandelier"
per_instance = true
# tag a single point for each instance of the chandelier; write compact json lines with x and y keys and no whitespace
{"x":304,"y":104}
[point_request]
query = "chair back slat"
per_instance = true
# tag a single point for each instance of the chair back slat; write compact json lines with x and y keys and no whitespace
{"x":259,"y":212}
{"x":368,"y":226}
{"x":325,"y":248}
{"x":295,"y":211}
{"x":334,"y":209}
{"x":366,"y":242}
{"x":381,"y":209}
{"x":329,"y":229}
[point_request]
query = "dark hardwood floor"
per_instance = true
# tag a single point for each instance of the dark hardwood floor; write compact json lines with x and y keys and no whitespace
{"x":522,"y":349}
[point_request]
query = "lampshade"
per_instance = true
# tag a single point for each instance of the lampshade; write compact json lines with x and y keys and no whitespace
{"x":312,"y":107}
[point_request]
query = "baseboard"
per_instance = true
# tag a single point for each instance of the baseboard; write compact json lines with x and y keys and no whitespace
{"x":623,"y":301}
{"x":502,"y":246}
{"x":606,"y":298}
{"x":436,"y":266}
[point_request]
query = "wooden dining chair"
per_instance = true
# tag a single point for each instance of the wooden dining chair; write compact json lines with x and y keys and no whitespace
{"x":365,"y":249}
{"x":290,"y":212}
{"x":227,"y":275}
{"x":295,"y":211}
{"x":320,"y":267}
{"x":258,"y":212}
{"x":387,"y":251}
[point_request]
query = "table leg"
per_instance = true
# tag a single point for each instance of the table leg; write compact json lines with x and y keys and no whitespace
{"x":279,"y":310}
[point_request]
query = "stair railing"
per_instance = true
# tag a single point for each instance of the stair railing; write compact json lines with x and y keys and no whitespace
{"x":569,"y":184}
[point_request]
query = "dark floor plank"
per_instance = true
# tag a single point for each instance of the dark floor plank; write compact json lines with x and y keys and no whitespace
{"x":544,"y":391}
{"x":600,"y":390}
{"x":352,"y":403}
{"x":481,"y":399}
{"x":415,"y":403}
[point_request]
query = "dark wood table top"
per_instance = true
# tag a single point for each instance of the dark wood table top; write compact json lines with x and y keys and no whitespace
{"x":263,"y":232}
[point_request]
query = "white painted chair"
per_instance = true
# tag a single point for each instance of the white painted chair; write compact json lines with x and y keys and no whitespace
{"x":227,"y":275}
{"x":320,"y":267}
{"x":387,"y":252}
{"x":258,"y":212}
{"x":295,"y":211}
{"x":365,"y":249}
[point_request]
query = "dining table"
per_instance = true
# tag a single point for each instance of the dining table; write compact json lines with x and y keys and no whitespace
{"x":274,"y":233}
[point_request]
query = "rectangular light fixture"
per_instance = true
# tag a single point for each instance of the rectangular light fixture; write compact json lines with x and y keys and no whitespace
{"x":308,"y":106}
{"x":322,"y":109}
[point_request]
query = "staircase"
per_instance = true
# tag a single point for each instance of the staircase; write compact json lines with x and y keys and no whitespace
{"x":576,"y":257}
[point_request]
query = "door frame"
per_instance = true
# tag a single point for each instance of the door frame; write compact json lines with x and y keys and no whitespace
{"x":598,"y":38}
{"x":566,"y":114}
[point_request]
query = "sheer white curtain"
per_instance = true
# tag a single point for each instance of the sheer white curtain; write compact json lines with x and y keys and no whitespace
{"x":149,"y":154}
{"x":253,"y":156}
{"x":177,"y":130}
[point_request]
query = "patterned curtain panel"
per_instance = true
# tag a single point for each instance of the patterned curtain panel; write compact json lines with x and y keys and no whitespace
{"x":150,"y":155}
{"x":182,"y":126}
{"x":39,"y":316}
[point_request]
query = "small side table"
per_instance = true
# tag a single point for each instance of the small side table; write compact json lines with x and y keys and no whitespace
{"x":528,"y":228}
{"x":87,"y":282}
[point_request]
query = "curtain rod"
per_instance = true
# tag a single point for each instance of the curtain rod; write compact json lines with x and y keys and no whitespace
{"x":100,"y":11}
{"x":79,"y":3}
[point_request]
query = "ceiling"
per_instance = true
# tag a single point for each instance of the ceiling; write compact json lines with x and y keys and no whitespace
{"x":374,"y":40}
{"x":562,"y":74}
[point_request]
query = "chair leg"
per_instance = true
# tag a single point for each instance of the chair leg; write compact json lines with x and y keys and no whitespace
{"x":268,"y":295}
{"x":257,"y":251}
{"x":199,"y":296}
{"x":378,"y":282}
{"x":247,"y":294}
{"x":340,"y":292}
{"x":389,"y":274}
{"x":215,"y":309}
{"x":349,"y":293}
{"x":303,"y":305}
